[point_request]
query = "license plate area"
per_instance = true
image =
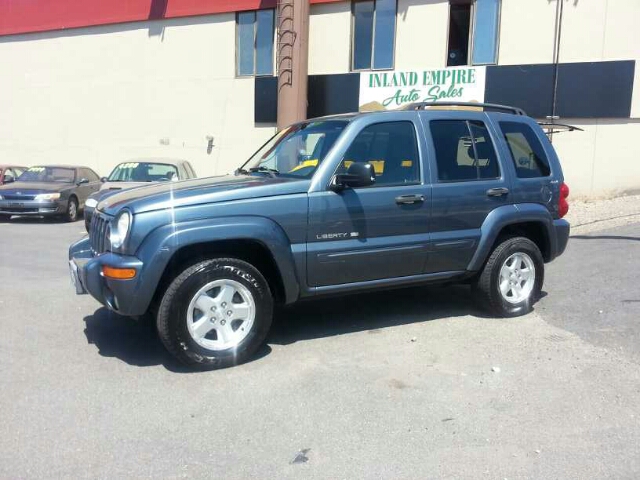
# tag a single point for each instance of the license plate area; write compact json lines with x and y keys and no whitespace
{"x":75,"y":278}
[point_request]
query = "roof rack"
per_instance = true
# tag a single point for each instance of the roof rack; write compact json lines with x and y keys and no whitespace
{"x":550,"y":128}
{"x":485,"y":106}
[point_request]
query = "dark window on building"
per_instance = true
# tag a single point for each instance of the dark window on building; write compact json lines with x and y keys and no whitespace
{"x":374,"y":31}
{"x":391,"y":148}
{"x":526,"y":150}
{"x":254,"y":42}
{"x":473,"y":32}
{"x":464,"y":151}
{"x":459,"y":26}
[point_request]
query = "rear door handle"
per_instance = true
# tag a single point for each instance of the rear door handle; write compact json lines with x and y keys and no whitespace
{"x":409,"y":199}
{"x":497,"y":192}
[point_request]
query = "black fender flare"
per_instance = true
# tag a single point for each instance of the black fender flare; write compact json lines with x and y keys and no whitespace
{"x":504,"y":216}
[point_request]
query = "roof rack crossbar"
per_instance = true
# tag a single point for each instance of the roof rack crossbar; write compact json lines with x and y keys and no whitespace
{"x":490,"y":106}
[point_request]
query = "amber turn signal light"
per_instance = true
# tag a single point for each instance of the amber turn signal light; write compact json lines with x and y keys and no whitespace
{"x":118,"y":273}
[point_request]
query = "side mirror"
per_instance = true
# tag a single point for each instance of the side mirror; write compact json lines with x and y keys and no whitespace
{"x":83,"y":180}
{"x":9,"y":179}
{"x":358,"y":175}
{"x":103,"y":179}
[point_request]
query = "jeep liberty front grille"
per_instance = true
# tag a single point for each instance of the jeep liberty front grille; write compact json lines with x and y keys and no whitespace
{"x":98,"y":233}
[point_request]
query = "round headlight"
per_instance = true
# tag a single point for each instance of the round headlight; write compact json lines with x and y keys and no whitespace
{"x":120,"y":229}
{"x":91,"y":203}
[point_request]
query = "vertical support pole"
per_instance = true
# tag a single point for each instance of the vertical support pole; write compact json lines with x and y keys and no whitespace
{"x":556,"y":62}
{"x":292,"y":58}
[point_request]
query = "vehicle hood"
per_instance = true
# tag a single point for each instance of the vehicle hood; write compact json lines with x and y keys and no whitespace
{"x":121,"y":185}
{"x":33,"y":188}
{"x":159,"y":196}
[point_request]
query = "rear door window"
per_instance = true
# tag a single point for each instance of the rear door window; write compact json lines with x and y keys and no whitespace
{"x":526,"y":150}
{"x":464,"y":151}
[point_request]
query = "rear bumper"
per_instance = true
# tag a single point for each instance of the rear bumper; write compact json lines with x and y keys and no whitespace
{"x":117,"y":295}
{"x":31,"y":207}
{"x":561,"y":230}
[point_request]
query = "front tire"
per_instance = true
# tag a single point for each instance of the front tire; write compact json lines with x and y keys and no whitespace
{"x":72,"y":210}
{"x":511,"y":280}
{"x":215,"y":314}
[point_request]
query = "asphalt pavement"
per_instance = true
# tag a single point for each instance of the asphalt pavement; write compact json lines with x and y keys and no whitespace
{"x":413,"y":383}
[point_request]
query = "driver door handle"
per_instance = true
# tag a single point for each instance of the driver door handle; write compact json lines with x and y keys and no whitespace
{"x":497,"y":192}
{"x":409,"y":199}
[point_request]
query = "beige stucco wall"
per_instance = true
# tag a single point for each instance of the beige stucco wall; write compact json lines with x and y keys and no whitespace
{"x":422,"y":32}
{"x":101,"y":95}
{"x":603,"y":159}
{"x":527,"y":31}
{"x":329,"y":32}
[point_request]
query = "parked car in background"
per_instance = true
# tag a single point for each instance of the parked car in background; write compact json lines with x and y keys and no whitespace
{"x":457,"y":196}
{"x":9,"y":173}
{"x":49,"y":190}
{"x":136,"y":173}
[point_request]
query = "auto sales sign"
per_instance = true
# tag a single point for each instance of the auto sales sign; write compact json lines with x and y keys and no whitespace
{"x":393,"y":89}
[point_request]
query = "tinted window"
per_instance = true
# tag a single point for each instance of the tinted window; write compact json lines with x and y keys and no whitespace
{"x":92,"y":176}
{"x":254,"y":42}
{"x":374,"y":26}
{"x":88,"y":174}
{"x":245,"y":42}
{"x":49,"y":175}
{"x":526,"y":150}
{"x":485,"y":31}
{"x":143,"y":172}
{"x":464,"y":150}
{"x":392,"y":150}
{"x":264,"y":42}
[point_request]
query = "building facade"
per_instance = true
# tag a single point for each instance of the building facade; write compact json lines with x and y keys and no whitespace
{"x":98,"y":83}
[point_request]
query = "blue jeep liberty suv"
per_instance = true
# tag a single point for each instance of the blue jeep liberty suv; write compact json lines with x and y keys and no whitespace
{"x":333,"y":205}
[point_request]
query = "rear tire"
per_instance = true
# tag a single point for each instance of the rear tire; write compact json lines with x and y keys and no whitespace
{"x":215,"y":314}
{"x":72,"y":210}
{"x":511,"y":280}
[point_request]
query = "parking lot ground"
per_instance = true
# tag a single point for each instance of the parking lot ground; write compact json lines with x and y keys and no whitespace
{"x":413,"y":383}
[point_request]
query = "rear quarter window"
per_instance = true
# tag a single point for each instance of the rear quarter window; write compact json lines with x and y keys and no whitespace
{"x":526,"y":151}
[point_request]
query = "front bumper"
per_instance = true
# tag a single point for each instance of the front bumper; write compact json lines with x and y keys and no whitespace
{"x":86,"y":276}
{"x":32,"y":207}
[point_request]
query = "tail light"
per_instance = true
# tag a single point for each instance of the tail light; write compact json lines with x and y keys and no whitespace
{"x":563,"y":205}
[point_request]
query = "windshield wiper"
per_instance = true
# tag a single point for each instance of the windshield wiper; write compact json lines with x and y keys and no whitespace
{"x":271,"y":171}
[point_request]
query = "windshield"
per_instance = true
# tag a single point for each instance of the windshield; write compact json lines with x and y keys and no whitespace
{"x":298,"y":150}
{"x":143,"y":172}
{"x":48,"y":175}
